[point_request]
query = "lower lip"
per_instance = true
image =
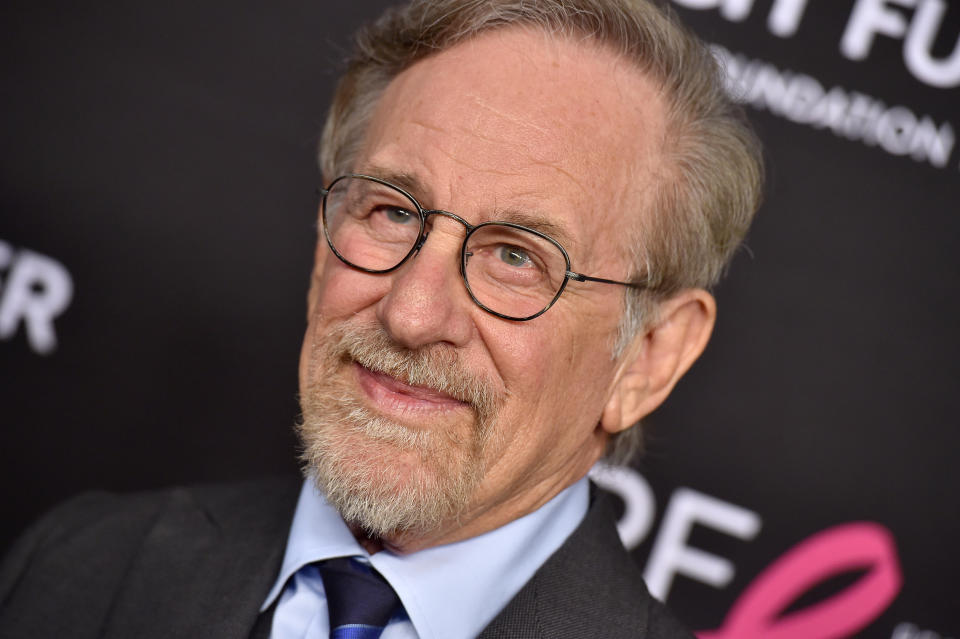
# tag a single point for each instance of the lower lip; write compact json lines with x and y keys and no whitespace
{"x":392,"y":396}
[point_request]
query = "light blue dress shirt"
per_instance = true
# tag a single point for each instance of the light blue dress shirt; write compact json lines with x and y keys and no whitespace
{"x":448,"y":592}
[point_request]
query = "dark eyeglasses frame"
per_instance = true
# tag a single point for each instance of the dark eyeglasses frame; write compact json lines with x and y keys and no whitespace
{"x":425,"y":213}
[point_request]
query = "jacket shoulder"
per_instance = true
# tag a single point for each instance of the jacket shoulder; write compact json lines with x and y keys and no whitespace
{"x":76,"y":558}
{"x":590,"y":587}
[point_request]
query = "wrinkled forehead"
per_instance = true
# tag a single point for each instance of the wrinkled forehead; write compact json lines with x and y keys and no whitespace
{"x":518,"y":119}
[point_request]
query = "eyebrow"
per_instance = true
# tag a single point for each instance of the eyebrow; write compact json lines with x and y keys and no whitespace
{"x":538,"y":222}
{"x":406,"y":181}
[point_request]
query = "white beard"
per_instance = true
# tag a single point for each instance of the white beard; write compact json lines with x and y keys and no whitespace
{"x":385,"y":477}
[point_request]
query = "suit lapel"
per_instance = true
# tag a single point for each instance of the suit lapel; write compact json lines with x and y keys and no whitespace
{"x":206,"y":563}
{"x":584,"y":586}
{"x":520,"y":619}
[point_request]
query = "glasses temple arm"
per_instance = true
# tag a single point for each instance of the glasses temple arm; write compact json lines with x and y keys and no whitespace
{"x":580,"y":277}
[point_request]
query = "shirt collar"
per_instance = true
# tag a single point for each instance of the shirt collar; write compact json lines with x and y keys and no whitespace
{"x":431,"y":583}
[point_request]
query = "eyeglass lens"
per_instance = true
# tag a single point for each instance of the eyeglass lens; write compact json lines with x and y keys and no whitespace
{"x":511,"y":271}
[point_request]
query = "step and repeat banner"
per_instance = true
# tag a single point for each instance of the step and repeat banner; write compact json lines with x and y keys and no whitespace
{"x":157,"y":208}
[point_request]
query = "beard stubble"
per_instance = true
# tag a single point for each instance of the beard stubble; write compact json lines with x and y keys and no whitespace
{"x":383,"y":476}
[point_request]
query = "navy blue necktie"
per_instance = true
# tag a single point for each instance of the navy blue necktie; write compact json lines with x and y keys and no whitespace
{"x":359,"y":600}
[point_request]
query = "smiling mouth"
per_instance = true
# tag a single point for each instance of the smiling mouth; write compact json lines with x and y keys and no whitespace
{"x":393,"y":395}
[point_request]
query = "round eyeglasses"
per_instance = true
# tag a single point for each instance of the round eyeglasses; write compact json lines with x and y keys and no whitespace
{"x":511,"y":271}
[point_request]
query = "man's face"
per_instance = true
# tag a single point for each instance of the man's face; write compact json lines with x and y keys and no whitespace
{"x":415,"y":400}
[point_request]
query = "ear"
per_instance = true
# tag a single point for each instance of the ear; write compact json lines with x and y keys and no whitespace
{"x":656,"y":359}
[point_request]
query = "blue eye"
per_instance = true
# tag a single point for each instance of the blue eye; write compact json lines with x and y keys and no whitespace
{"x":400,"y":216}
{"x":513,"y":256}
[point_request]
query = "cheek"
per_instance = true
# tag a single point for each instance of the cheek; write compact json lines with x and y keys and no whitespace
{"x":338,"y":291}
{"x":556,"y":376}
{"x":535,"y":363}
{"x":520,"y":353}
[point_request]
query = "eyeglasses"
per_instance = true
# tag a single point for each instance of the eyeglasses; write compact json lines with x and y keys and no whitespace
{"x":510,"y":271}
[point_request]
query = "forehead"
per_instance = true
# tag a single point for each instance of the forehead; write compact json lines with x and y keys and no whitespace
{"x":519,"y":122}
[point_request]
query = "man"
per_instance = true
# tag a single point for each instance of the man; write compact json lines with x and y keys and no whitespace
{"x":525,"y":205}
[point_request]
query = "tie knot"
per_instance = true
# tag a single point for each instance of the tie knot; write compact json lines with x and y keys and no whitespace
{"x":359,"y":599}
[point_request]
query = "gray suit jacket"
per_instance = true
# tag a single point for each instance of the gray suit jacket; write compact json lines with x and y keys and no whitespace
{"x":198,"y":562}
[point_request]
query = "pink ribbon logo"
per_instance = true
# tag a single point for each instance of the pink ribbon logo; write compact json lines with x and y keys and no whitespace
{"x":854,"y":546}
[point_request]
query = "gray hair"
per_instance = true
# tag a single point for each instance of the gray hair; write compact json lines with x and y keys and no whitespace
{"x":710,"y":178}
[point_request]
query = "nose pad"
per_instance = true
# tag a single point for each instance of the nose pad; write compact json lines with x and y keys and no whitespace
{"x":419,"y":245}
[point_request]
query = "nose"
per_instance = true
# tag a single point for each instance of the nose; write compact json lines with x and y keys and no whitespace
{"x":427,"y":302}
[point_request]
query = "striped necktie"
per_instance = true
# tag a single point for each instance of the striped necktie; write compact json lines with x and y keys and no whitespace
{"x":359,"y":600}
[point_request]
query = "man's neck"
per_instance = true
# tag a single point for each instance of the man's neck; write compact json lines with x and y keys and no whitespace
{"x":371,"y":544}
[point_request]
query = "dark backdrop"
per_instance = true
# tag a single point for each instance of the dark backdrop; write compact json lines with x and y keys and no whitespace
{"x":156,"y":226}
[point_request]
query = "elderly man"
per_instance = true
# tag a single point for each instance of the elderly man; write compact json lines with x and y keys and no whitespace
{"x":525,"y":204}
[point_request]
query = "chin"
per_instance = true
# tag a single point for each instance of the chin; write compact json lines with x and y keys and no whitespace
{"x":387,"y":476}
{"x":382,"y":476}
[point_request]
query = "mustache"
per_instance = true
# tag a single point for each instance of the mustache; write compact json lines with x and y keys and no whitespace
{"x":439,"y":367}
